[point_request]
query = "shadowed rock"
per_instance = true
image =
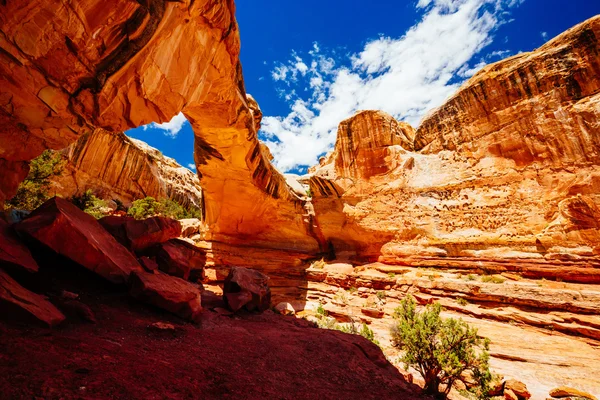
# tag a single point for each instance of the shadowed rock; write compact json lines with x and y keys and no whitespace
{"x":247,"y":288}
{"x":18,"y":303}
{"x":167,"y":292}
{"x":13,"y":253}
{"x":67,"y":230}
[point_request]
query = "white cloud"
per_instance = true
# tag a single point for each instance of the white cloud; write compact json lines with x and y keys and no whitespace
{"x":192,"y":166}
{"x":405,"y":76}
{"x":544,"y":35}
{"x":171,"y":128}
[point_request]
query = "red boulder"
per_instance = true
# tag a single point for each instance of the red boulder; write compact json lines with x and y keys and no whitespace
{"x":18,"y":303}
{"x":246,"y":288}
{"x":179,"y":258}
{"x":167,"y":292}
{"x":140,"y":234}
{"x":13,"y":253}
{"x":69,"y":231}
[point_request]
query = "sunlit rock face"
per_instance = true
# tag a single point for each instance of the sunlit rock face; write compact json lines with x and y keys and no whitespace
{"x":507,"y":176}
{"x":114,"y":166}
{"x":541,"y":106}
{"x":67,"y":69}
{"x":365,"y":144}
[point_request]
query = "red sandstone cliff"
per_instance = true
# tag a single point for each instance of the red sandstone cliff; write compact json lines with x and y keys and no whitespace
{"x":116,"y":166}
{"x":466,"y":197}
{"x":67,"y":69}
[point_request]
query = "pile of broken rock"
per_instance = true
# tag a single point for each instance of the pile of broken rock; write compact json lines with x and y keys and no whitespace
{"x":145,"y":255}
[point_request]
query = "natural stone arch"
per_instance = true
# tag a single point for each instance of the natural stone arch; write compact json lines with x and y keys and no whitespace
{"x":68,"y":68}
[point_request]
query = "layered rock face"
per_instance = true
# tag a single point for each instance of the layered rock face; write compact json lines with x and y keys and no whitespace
{"x":461,"y":202}
{"x":117,"y":167}
{"x":365,"y":144}
{"x":541,"y":106}
{"x":493,"y":213}
{"x":68,"y":69}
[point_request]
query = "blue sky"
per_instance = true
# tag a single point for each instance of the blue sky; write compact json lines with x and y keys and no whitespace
{"x":311,"y":64}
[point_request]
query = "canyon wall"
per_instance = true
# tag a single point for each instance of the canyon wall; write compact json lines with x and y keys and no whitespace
{"x":68,"y":68}
{"x":115,"y":166}
{"x":504,"y":176}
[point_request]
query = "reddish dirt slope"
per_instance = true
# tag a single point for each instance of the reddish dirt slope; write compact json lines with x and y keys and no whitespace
{"x":248,"y":356}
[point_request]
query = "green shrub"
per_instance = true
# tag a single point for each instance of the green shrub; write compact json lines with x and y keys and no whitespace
{"x":471,"y":277}
{"x":381,"y":295}
{"x":149,"y":207}
{"x":462,"y":301}
{"x":34,"y":190}
{"x":440,"y":349}
{"x":493,"y":279}
{"x":91,"y":204}
{"x":391,"y":275}
{"x":144,"y":208}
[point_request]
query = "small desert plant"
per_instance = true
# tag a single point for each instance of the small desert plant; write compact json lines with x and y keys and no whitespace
{"x":440,"y":349}
{"x":320,"y":264}
{"x":149,"y":206}
{"x":391,"y":275}
{"x":91,"y":204}
{"x":493,"y":279}
{"x":35,"y":189}
{"x":342,"y":297}
{"x":352,"y":289}
{"x":470,"y":277}
{"x":462,"y":301}
{"x":381,"y":295}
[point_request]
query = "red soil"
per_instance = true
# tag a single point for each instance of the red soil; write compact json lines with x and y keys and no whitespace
{"x":243,"y":357}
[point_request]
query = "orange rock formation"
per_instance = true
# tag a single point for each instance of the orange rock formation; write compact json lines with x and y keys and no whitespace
{"x":506,"y":178}
{"x":66,"y":70}
{"x":115,"y":166}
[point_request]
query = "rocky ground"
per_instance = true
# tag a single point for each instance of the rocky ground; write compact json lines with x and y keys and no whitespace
{"x":122,"y":356}
{"x":543,"y":333}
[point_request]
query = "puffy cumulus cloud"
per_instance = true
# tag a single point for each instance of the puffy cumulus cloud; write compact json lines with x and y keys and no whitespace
{"x":405,"y":76}
{"x":192,"y":166}
{"x":171,"y":128}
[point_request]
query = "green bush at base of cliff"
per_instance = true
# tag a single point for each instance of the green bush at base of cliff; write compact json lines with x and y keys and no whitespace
{"x":440,"y":349}
{"x":149,"y":206}
{"x":35,"y":189}
{"x":91,"y":204}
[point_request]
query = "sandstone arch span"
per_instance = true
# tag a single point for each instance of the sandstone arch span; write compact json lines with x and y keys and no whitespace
{"x":69,"y":67}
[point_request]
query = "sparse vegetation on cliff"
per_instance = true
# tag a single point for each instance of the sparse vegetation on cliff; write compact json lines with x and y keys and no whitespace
{"x":91,"y":204}
{"x":35,"y":189}
{"x":440,"y":349}
{"x":149,"y":206}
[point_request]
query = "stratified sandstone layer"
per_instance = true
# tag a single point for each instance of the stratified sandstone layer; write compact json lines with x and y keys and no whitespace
{"x":67,"y":69}
{"x":462,"y":202}
{"x":541,"y":106}
{"x":115,"y":166}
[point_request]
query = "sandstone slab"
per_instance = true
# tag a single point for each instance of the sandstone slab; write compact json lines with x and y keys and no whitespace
{"x":67,"y":230}
{"x":565,"y":391}
{"x":179,"y":258}
{"x":141,"y":234}
{"x":13,"y":253}
{"x":16,"y":302}
{"x":247,"y":288}
{"x":167,"y":292}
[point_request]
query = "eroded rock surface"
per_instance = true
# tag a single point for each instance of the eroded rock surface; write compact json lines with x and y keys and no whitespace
{"x":68,"y":231}
{"x":115,"y":166}
{"x":67,"y":70}
{"x":462,"y":202}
